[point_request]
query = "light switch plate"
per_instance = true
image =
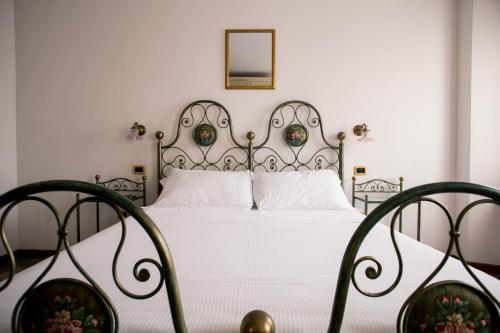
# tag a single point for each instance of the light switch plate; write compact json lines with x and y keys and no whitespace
{"x":359,"y":170}
{"x":138,"y":169}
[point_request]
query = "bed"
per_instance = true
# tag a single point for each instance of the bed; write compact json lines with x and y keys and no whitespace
{"x":292,"y":263}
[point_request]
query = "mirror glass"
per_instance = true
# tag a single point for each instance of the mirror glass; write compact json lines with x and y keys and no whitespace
{"x":250,"y":59}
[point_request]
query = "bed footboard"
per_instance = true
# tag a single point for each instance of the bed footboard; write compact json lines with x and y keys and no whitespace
{"x":102,"y":317}
{"x":431,"y":307}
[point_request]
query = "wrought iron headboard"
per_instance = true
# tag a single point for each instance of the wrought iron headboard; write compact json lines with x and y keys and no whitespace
{"x":210,"y":121}
{"x":300,"y":123}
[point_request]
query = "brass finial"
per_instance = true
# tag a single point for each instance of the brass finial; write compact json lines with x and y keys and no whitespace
{"x":341,"y":136}
{"x":353,"y":178}
{"x":97,"y":177}
{"x":250,"y":136}
{"x":257,"y":321}
{"x":401,"y":178}
{"x":159,"y":135}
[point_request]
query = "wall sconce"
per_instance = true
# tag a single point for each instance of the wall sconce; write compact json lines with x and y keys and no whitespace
{"x":137,"y":132}
{"x":361,"y":129}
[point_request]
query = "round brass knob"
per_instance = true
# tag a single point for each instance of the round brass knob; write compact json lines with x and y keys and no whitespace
{"x":257,"y":321}
{"x":341,"y":136}
{"x":250,"y":135}
{"x":159,"y":135}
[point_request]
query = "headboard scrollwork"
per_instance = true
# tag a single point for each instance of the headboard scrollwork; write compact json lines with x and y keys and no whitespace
{"x":302,"y":146}
{"x":299,"y":145}
{"x":208,"y":124}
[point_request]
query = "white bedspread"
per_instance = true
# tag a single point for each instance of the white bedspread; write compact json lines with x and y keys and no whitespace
{"x":231,"y":262}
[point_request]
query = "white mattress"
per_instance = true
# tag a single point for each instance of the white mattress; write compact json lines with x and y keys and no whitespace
{"x":231,"y":262}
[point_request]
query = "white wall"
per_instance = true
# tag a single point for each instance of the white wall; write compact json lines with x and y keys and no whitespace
{"x":462,"y":134}
{"x":484,"y":131}
{"x":8,"y":149}
{"x":88,"y":69}
{"x":477,"y":136}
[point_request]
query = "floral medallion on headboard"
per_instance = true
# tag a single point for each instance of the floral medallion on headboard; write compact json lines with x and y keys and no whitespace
{"x":207,"y":124}
{"x":295,"y":141}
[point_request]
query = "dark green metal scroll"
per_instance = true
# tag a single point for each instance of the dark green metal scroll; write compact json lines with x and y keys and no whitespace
{"x":129,"y":188}
{"x":297,"y":119}
{"x":379,"y":186}
{"x":202,"y":120}
{"x":120,"y":204}
{"x":399,"y":202}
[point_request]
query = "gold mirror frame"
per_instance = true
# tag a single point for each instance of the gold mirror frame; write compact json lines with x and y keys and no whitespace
{"x":273,"y":68}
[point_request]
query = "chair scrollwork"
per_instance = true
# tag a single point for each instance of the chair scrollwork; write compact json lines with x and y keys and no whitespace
{"x":96,"y":193}
{"x":426,"y":302}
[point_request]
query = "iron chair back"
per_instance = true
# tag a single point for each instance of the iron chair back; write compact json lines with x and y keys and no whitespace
{"x":399,"y":202}
{"x":164,"y":264}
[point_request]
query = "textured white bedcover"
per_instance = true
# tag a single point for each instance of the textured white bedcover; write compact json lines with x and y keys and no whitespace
{"x":231,"y":262}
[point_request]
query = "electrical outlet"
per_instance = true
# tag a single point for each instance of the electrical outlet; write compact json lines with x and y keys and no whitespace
{"x":359,"y":170}
{"x":138,"y":169}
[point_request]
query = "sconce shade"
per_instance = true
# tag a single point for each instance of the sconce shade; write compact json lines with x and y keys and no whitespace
{"x":361,"y":129}
{"x":137,"y":132}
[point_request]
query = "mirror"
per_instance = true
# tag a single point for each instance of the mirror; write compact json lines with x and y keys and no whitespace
{"x":250,"y":59}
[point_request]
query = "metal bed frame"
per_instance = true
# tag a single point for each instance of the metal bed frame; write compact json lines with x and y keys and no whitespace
{"x":485,"y":303}
{"x":209,"y":120}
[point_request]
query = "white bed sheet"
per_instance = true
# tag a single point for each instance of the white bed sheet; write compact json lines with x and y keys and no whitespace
{"x":231,"y":262}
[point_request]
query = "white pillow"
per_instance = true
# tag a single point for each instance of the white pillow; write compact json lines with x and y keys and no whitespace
{"x":319,"y":189}
{"x":201,"y":188}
